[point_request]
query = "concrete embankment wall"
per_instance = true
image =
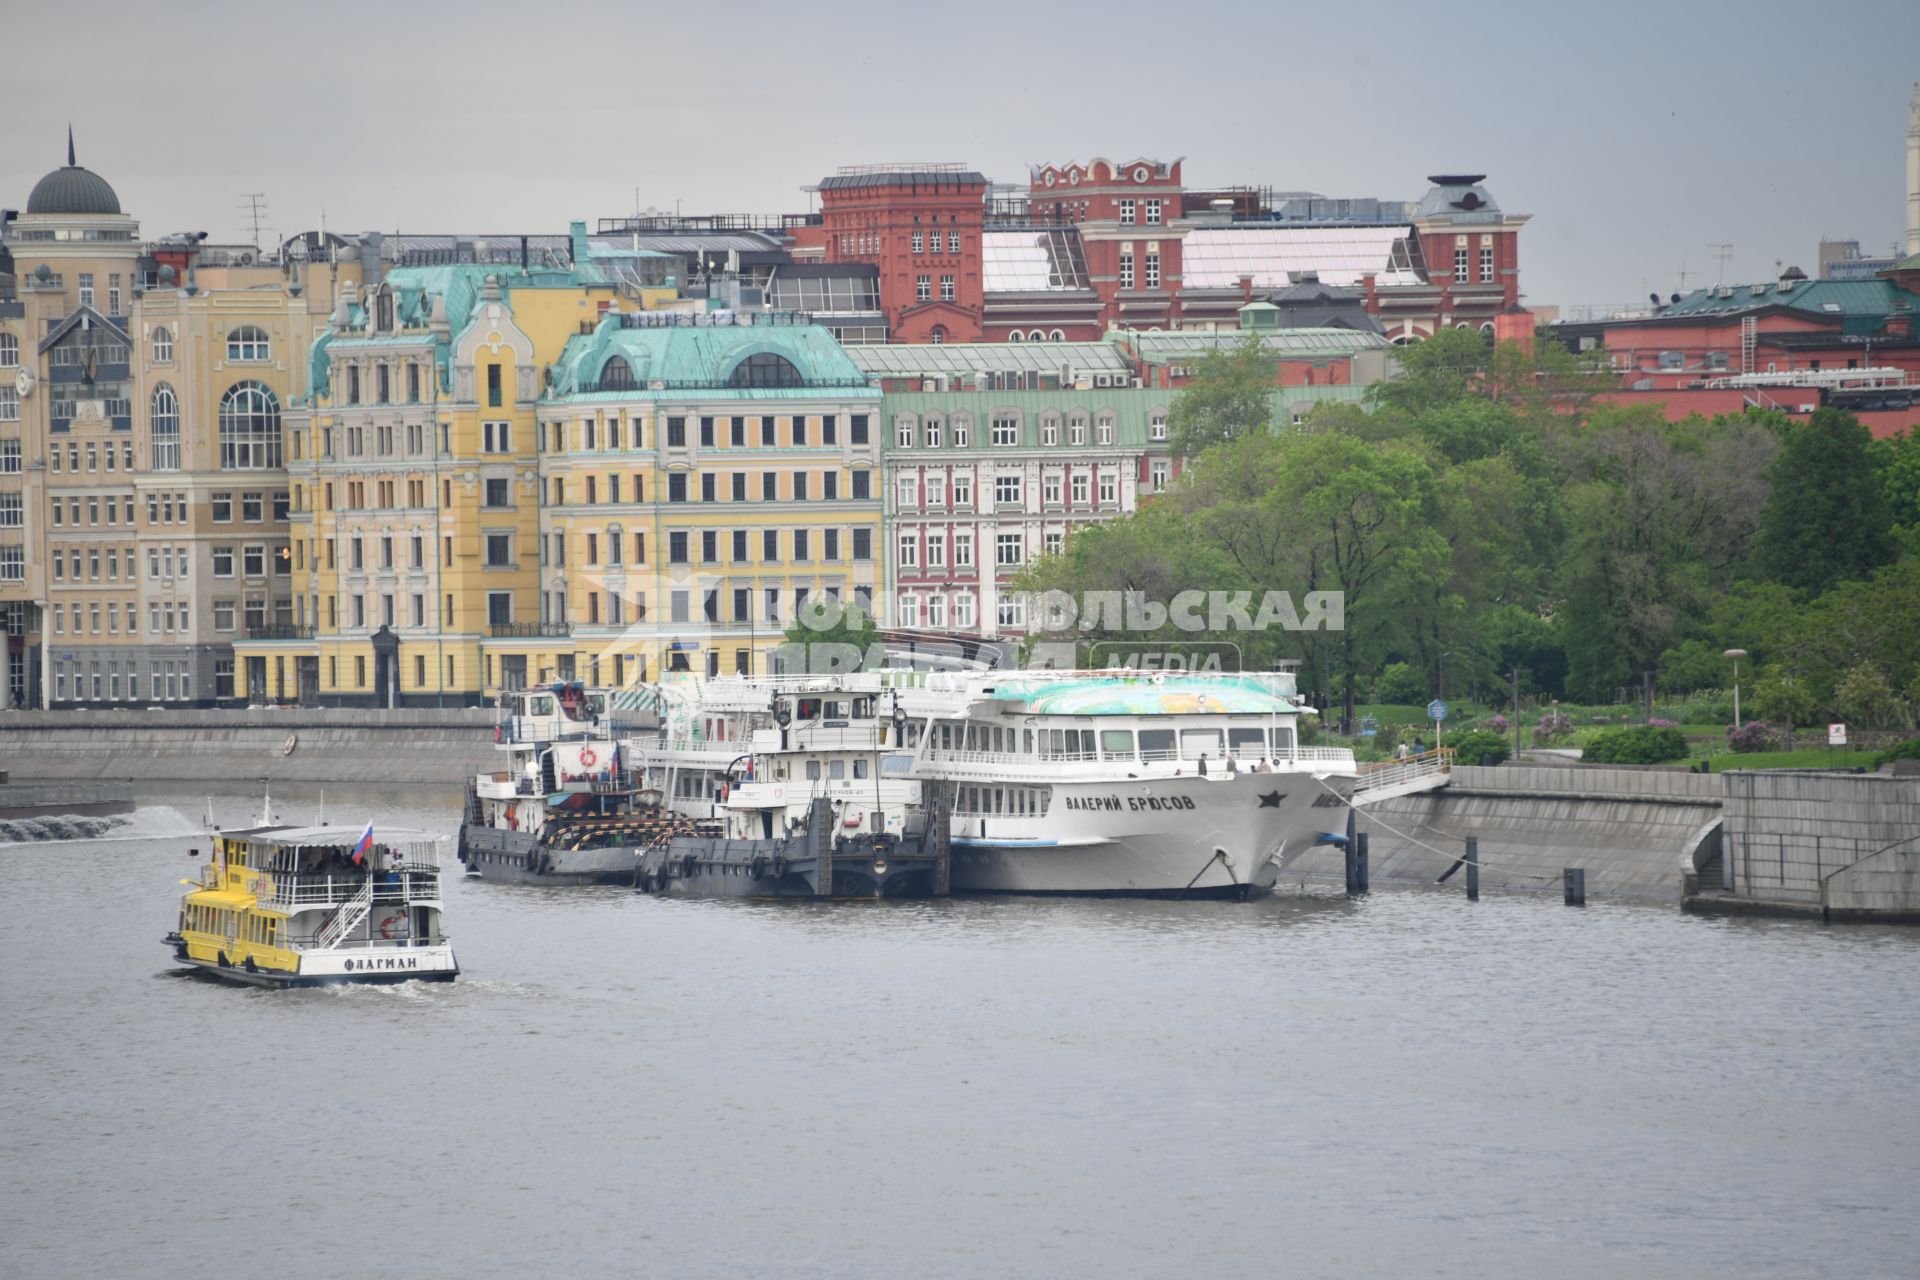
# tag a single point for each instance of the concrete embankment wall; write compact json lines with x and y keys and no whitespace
{"x":1634,"y":831}
{"x":317,"y":745}
{"x":1859,"y":834}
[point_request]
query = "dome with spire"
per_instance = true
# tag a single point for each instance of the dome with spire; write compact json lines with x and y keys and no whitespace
{"x":72,"y":189}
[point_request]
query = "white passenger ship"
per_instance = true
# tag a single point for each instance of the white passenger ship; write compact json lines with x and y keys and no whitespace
{"x":1088,"y":782}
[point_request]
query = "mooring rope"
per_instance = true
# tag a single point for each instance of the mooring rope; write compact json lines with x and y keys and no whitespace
{"x":1410,"y":839}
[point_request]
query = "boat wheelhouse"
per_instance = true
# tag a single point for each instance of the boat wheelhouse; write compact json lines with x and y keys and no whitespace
{"x":305,"y":906}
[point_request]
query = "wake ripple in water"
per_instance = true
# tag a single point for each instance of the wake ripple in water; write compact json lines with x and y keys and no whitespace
{"x":143,"y":824}
{"x":65,"y":827}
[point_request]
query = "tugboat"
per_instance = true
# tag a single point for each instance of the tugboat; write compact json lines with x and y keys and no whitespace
{"x":794,"y":776}
{"x":310,"y":906}
{"x":566,"y":810}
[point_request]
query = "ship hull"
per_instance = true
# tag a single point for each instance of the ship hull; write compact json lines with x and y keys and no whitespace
{"x":1221,"y":837}
{"x":356,"y":966}
{"x":516,"y":857}
{"x":701,"y":867}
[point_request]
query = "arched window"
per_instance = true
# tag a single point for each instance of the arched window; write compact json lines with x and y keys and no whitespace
{"x":1058,"y":335}
{"x":249,"y":428}
{"x":9,"y":351}
{"x":1487,"y":327}
{"x":249,"y":342}
{"x":1014,"y":336}
{"x":617,"y":375}
{"x":766,"y":370}
{"x":163,"y":427}
{"x":163,"y":345}
{"x":1036,"y":336}
{"x":938,"y":336}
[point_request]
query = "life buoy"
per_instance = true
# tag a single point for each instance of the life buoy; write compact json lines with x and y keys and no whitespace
{"x":587,"y":758}
{"x":390,"y":924}
{"x":496,"y":735}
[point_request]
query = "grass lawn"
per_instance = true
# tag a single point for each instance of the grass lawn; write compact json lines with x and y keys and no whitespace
{"x":1810,"y":758}
{"x":1397,"y":713}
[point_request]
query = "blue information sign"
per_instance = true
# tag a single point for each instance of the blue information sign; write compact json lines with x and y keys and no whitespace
{"x":1436,"y":710}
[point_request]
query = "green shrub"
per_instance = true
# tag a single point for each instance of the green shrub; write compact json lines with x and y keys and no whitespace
{"x":1640,"y":744}
{"x":1400,"y":685}
{"x":1478,"y":746}
{"x":1908,"y":750}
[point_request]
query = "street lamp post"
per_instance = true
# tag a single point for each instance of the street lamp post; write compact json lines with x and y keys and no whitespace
{"x":1736,"y":655}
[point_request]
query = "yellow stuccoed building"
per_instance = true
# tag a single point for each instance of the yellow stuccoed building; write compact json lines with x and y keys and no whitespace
{"x":704,"y":479}
{"x":414,"y":522}
{"x":414,"y":514}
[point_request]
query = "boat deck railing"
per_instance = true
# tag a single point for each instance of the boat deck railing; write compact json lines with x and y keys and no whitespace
{"x":1081,"y":764}
{"x":515,"y":731}
{"x":312,"y":942}
{"x":303,"y":892}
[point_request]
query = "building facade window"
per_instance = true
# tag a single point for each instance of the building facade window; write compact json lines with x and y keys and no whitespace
{"x":1486,"y":264}
{"x":1126,"y":271}
{"x":1460,"y":266}
{"x":946,"y":289}
{"x":923,"y":288}
{"x":249,"y":342}
{"x":249,"y":428}
{"x":163,"y":425}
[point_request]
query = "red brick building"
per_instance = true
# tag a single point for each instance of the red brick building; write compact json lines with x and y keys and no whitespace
{"x":920,"y":225}
{"x":1099,"y":245}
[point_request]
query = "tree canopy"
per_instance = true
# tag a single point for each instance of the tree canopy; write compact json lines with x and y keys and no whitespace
{"x":1486,"y":513}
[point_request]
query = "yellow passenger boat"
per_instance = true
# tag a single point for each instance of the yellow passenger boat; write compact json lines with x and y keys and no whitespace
{"x":307,"y":906}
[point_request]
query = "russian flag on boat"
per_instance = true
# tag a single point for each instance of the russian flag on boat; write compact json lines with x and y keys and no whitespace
{"x":364,"y":845}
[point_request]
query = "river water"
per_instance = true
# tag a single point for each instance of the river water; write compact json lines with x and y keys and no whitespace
{"x":1409,"y":1085}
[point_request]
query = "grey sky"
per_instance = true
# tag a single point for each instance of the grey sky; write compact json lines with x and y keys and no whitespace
{"x":1637,"y":134}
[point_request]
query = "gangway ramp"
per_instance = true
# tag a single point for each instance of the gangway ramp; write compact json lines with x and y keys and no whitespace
{"x":1378,"y":782}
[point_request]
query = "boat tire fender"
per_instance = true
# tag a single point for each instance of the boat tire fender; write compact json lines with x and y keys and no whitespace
{"x":758,"y":867}
{"x":687,"y":864}
{"x":779,"y":866}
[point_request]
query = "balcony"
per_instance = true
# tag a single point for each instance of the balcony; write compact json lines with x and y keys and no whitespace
{"x":280,"y":631}
{"x":529,"y":630}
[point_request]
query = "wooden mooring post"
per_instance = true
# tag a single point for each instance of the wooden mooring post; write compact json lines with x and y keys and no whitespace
{"x":1574,"y":881}
{"x":1473,"y":868}
{"x":1360,"y":864}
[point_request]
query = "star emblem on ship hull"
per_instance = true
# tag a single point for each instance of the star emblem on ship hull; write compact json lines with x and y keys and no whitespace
{"x":1272,"y":799}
